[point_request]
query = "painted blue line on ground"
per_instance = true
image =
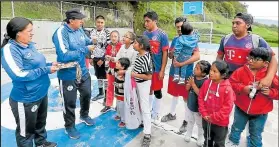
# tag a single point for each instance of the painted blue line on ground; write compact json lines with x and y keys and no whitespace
{"x":105,"y":132}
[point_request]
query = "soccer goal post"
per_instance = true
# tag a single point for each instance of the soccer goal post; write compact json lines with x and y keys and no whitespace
{"x":205,"y":30}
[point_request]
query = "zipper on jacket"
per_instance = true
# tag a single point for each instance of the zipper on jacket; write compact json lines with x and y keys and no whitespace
{"x":254,"y":85}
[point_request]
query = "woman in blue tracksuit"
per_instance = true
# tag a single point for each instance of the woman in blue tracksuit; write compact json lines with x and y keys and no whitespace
{"x":71,"y":45}
{"x":29,"y":73}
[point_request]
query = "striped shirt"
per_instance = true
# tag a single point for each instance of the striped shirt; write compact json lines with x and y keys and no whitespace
{"x":143,"y":65}
{"x":103,"y":39}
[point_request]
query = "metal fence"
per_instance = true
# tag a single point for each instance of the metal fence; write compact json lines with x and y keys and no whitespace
{"x":55,"y":11}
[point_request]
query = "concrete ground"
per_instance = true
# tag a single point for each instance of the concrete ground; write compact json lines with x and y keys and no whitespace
{"x":165,"y":134}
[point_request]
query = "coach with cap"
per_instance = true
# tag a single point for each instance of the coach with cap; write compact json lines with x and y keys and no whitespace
{"x":71,"y":45}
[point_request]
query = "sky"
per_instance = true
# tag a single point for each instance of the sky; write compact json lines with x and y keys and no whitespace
{"x":260,"y":10}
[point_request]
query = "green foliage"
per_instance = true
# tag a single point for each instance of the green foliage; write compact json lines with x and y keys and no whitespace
{"x":215,"y":11}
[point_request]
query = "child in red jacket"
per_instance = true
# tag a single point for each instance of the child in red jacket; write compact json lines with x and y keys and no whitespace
{"x":252,"y":102}
{"x":216,"y":98}
{"x":111,"y":52}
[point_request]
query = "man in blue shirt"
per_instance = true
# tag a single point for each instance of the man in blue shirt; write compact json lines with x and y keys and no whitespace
{"x":71,"y":45}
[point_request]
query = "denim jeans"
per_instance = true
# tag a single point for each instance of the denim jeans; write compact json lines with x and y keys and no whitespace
{"x":256,"y":127}
{"x":183,"y":69}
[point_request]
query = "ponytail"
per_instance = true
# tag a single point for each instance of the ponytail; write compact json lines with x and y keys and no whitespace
{"x":5,"y":40}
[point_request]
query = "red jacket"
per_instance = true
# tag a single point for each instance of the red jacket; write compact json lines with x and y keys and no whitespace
{"x":262,"y":104}
{"x":110,"y":53}
{"x":219,"y":102}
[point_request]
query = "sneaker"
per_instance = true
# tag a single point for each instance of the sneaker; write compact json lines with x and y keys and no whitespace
{"x":105,"y":109}
{"x":87,"y":120}
{"x":175,"y":78}
{"x":146,"y":140}
{"x":116,"y":118}
{"x":168,"y":117}
{"x":181,"y":81}
{"x":155,"y":119}
{"x":48,"y":144}
{"x":187,"y":137}
{"x":141,"y":126}
{"x":72,"y":132}
{"x":230,"y":144}
{"x":200,"y":140}
{"x":121,"y":125}
{"x":183,"y":128}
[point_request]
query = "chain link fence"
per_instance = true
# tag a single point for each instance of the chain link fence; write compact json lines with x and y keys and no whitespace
{"x":55,"y":11}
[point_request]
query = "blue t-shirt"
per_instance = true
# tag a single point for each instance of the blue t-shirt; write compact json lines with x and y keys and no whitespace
{"x":236,"y":50}
{"x":158,"y":42}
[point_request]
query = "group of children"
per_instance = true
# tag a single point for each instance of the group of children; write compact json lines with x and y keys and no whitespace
{"x":211,"y":98}
{"x":212,"y":91}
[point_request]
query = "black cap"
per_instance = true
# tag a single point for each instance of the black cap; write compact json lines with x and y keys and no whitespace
{"x":74,"y":14}
{"x":247,"y":18}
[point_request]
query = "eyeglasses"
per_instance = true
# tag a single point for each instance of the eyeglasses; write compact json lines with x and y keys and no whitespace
{"x":253,"y":59}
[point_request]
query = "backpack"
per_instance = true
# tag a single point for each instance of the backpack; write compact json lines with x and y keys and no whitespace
{"x":255,"y":39}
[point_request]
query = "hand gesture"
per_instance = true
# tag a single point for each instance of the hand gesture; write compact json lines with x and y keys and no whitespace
{"x":191,"y":80}
{"x":100,"y":63}
{"x":247,"y":88}
{"x":133,"y":74}
{"x":176,"y":63}
{"x":108,"y":57}
{"x":207,"y":118}
{"x":161,"y":75}
{"x":53,"y":68}
{"x":91,"y":48}
{"x":265,"y":91}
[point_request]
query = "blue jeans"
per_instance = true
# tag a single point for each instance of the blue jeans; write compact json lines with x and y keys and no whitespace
{"x":183,"y":69}
{"x":256,"y":127}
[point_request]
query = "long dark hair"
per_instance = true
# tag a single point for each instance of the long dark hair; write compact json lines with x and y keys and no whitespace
{"x":223,"y":68}
{"x":14,"y":26}
{"x":144,"y":41}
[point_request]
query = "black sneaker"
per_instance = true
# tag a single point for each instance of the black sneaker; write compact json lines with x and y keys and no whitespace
{"x":141,"y":126}
{"x":105,"y":109}
{"x":48,"y":144}
{"x":168,"y":117}
{"x":183,"y":127}
{"x":146,"y":140}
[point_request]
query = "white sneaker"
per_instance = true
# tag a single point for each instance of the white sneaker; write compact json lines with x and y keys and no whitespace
{"x":181,"y":81}
{"x":230,"y":144}
{"x":187,"y":137}
{"x":200,"y":140}
{"x":155,"y":119}
{"x":175,"y":78}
